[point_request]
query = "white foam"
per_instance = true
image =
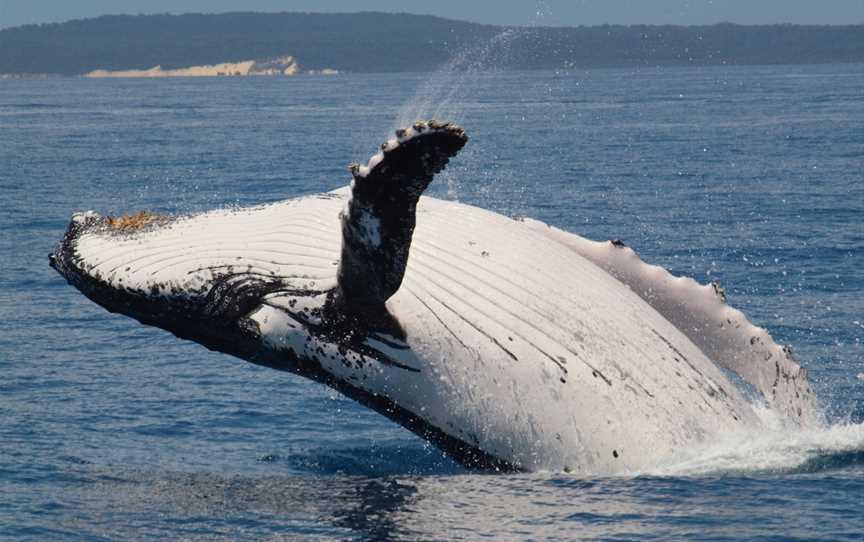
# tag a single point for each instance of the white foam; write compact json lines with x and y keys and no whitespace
{"x":774,"y":448}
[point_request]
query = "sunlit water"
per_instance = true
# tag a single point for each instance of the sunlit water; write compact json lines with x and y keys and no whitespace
{"x":111,"y":430}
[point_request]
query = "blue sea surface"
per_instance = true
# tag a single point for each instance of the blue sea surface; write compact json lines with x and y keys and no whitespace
{"x":110,"y":430}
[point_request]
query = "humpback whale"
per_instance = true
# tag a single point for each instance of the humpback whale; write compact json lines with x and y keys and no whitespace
{"x":509,"y":344}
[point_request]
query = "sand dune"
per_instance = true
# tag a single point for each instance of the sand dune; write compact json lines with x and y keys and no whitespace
{"x":281,"y":66}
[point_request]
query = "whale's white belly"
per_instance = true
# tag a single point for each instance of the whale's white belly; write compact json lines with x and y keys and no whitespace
{"x":530,"y":352}
{"x":543,"y":357}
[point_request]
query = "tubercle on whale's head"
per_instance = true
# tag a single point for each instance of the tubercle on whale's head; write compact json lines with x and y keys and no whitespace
{"x":133,"y":221}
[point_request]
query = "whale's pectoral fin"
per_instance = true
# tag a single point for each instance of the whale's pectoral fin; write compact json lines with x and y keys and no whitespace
{"x":379,"y":218}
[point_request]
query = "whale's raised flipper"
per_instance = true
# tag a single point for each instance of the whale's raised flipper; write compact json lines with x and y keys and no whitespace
{"x":379,"y":217}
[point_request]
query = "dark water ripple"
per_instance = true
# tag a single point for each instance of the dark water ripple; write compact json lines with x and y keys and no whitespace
{"x":113,"y":431}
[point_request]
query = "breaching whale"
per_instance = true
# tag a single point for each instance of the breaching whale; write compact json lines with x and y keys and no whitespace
{"x":509,"y":344}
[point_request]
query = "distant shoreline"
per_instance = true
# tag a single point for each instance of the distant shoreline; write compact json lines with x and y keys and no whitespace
{"x":627,"y":69}
{"x":231,"y":44}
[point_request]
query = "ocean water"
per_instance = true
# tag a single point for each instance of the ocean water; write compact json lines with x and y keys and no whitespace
{"x":110,"y":430}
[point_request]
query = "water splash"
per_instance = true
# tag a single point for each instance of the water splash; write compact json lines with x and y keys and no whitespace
{"x":444,"y":94}
{"x":776,"y":449}
{"x":447,"y":91}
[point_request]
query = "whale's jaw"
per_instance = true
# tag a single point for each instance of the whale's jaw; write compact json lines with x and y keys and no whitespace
{"x":211,"y":316}
{"x":219,"y":317}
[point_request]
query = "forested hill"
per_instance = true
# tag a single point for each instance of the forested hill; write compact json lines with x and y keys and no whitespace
{"x":376,"y":42}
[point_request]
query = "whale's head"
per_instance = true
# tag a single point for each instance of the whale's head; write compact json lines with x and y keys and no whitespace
{"x":258,"y":282}
{"x":197,"y":276}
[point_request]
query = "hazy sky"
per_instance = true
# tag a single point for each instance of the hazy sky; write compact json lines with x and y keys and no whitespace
{"x":553,"y":12}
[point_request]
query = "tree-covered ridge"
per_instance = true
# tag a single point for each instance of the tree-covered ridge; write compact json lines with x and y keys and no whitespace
{"x":377,"y":42}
